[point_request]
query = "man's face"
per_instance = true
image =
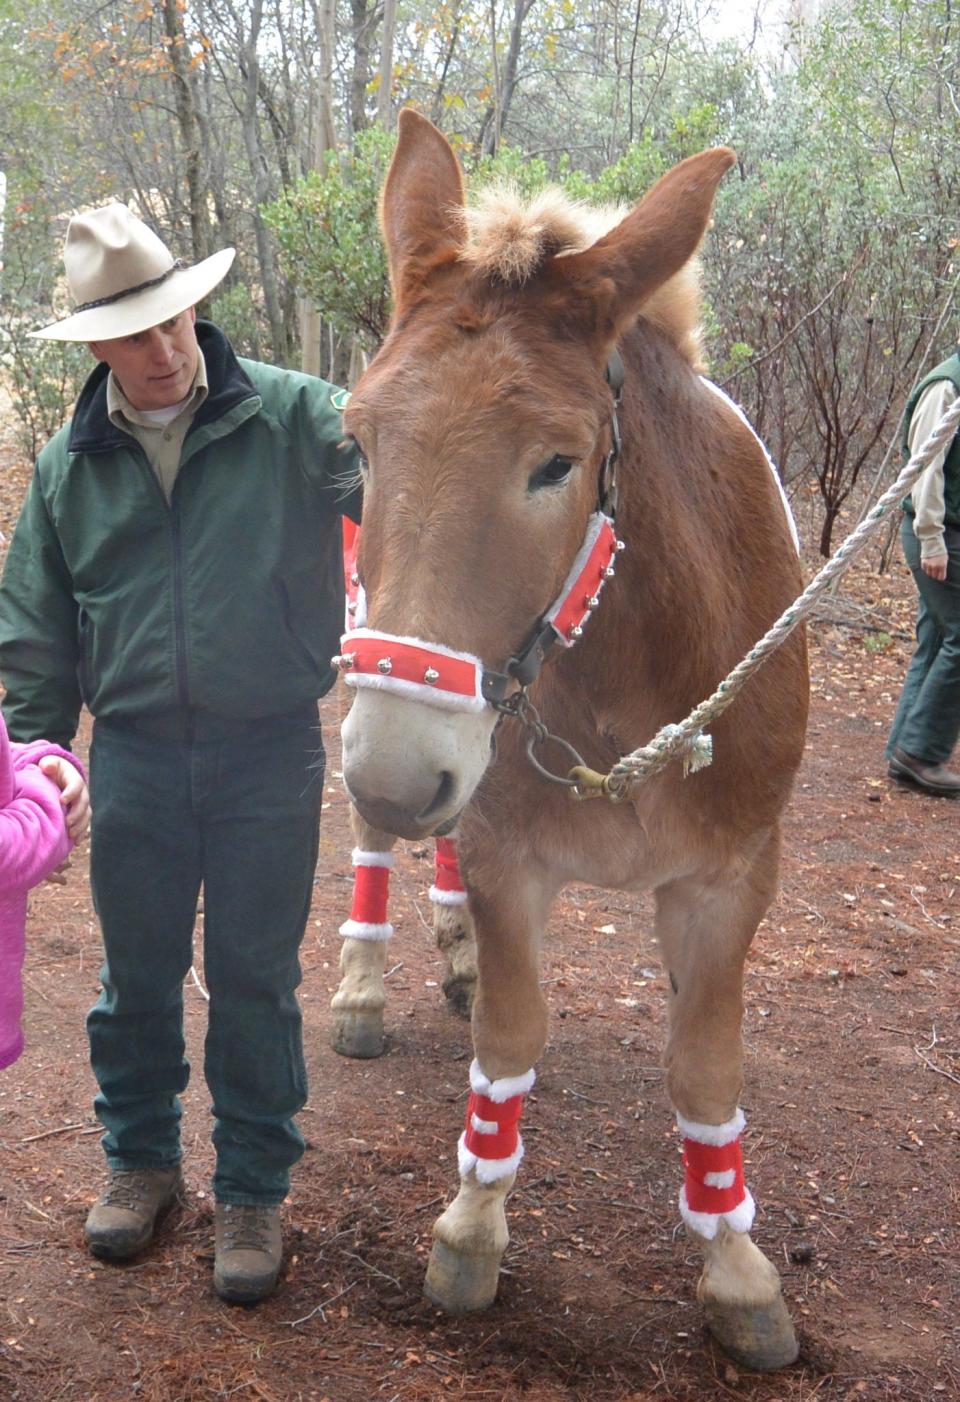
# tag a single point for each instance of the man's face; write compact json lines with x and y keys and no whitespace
{"x":156,"y":367}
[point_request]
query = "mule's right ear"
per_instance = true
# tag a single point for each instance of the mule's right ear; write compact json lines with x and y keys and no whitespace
{"x":421,"y":208}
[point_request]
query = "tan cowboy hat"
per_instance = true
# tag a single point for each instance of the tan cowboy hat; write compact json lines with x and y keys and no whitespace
{"x":124,"y":279}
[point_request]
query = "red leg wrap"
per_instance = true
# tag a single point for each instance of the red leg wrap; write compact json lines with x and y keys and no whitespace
{"x":498,"y":1144}
{"x":370,"y":889}
{"x":703,"y":1160}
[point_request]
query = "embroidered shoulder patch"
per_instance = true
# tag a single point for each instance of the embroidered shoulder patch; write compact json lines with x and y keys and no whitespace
{"x":339,"y":398}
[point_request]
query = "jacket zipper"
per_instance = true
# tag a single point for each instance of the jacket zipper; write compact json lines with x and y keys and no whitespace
{"x":179,"y":630}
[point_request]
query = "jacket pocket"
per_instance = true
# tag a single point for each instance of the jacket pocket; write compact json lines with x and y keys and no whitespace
{"x":297,"y":627}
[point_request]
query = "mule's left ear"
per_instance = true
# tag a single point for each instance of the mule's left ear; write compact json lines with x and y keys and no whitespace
{"x":657,"y":237}
{"x":421,"y":208}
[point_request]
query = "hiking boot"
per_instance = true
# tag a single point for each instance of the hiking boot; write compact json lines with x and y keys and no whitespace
{"x":248,"y":1251}
{"x":935,"y":779}
{"x":122,"y":1221}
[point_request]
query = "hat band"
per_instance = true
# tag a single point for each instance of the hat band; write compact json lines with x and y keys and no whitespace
{"x":129,"y":291}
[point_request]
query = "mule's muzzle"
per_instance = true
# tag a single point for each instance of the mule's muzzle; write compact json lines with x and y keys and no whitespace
{"x":433,"y":820}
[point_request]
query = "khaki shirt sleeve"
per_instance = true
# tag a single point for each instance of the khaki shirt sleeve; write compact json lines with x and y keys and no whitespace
{"x":928,"y":490}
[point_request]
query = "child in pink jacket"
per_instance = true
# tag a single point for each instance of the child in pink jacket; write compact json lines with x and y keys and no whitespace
{"x":43,"y":810}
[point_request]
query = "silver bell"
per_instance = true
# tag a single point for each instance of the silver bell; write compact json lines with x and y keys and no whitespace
{"x":431,"y":675}
{"x":609,"y":572}
{"x":576,"y":632}
{"x":593,"y":601}
{"x":385,"y":665}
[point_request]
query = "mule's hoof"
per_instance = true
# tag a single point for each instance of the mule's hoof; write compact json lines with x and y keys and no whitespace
{"x":459,"y":993}
{"x":358,"y":1034}
{"x":761,"y":1339}
{"x":459,"y":1283}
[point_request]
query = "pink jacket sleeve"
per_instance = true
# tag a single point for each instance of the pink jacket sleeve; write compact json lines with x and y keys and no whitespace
{"x":33,"y":833}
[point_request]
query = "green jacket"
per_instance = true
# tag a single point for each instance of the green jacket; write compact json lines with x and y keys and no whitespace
{"x":227,"y":602}
{"x":949,"y":369}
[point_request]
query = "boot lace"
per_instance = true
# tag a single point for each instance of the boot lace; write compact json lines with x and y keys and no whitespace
{"x":245,"y":1227}
{"x":128,"y":1189}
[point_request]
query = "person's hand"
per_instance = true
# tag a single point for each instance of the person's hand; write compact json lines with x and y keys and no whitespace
{"x":74,"y":797}
{"x":58,"y":877}
{"x":935,"y":566}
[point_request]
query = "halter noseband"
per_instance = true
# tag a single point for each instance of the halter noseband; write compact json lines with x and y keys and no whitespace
{"x":458,"y":681}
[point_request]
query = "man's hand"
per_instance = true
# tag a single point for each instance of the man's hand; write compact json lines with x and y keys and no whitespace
{"x":935,"y":566}
{"x":74,"y":797}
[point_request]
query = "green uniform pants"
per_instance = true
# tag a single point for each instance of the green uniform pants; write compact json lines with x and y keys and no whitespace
{"x":927,"y":722}
{"x":239,"y":815}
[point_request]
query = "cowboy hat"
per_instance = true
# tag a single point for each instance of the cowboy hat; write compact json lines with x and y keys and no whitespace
{"x":124,"y":279}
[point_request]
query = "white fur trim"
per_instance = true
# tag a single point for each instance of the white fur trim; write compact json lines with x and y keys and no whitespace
{"x":504,"y":1089}
{"x":720,"y":1180}
{"x":717,"y":1135}
{"x":418,"y":691}
{"x":740,"y":1219}
{"x":360,"y":858}
{"x":484,"y":1126}
{"x":447,"y":897}
{"x":770,"y":463}
{"x":486,"y":1170}
{"x":363,"y":930}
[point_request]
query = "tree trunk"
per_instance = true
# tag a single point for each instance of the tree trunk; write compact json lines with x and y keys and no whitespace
{"x":385,"y":90}
{"x":279,"y":332}
{"x":362,"y":22}
{"x":324,"y":140}
{"x":495,"y":118}
{"x":191,"y":134}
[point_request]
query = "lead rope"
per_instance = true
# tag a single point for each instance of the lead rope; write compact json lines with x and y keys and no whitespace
{"x":686,"y":739}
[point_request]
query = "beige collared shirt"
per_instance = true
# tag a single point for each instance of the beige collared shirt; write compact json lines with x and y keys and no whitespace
{"x":162,"y":442}
{"x":928,"y":490}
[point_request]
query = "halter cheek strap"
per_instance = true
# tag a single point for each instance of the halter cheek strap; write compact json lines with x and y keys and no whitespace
{"x":458,"y":681}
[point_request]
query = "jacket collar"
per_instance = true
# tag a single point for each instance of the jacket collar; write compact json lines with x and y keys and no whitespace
{"x":91,"y":430}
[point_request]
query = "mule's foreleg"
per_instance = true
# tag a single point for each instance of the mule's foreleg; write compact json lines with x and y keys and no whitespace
{"x":509,"y":1034}
{"x":705,"y":929}
{"x":453,"y":928}
{"x":359,"y":1001}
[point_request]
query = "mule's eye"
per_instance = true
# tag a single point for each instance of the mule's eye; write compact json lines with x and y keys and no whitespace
{"x":362,"y":461}
{"x":551,"y":474}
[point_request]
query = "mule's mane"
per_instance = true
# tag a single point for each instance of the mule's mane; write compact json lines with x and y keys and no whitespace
{"x":510,"y":239}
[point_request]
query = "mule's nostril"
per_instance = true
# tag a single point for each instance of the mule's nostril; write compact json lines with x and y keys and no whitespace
{"x":441,"y":799}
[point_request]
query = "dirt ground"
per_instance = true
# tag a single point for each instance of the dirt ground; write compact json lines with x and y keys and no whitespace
{"x":853,"y":1064}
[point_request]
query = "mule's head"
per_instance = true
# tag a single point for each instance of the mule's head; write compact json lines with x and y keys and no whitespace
{"x":483,"y":424}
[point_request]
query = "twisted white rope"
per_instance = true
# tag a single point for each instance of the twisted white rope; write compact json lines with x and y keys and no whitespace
{"x":686,"y":740}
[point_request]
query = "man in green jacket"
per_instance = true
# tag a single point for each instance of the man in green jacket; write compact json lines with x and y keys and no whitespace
{"x":177,"y":568}
{"x":927,"y":722}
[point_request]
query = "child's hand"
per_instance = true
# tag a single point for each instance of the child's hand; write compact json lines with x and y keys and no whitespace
{"x":73,"y":794}
{"x":58,"y":877}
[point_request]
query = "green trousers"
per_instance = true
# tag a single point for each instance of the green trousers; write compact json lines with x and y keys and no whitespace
{"x":240,"y":817}
{"x":927,"y":721}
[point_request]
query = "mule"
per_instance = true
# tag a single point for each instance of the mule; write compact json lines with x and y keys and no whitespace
{"x":488,"y":431}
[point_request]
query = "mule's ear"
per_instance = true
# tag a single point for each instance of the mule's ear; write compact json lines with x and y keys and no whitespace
{"x":421,"y":208}
{"x":657,"y":237}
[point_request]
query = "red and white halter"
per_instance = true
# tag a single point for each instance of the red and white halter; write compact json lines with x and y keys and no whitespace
{"x":458,"y":681}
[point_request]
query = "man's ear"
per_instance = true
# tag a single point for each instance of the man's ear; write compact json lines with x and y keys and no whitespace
{"x":96,"y":349}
